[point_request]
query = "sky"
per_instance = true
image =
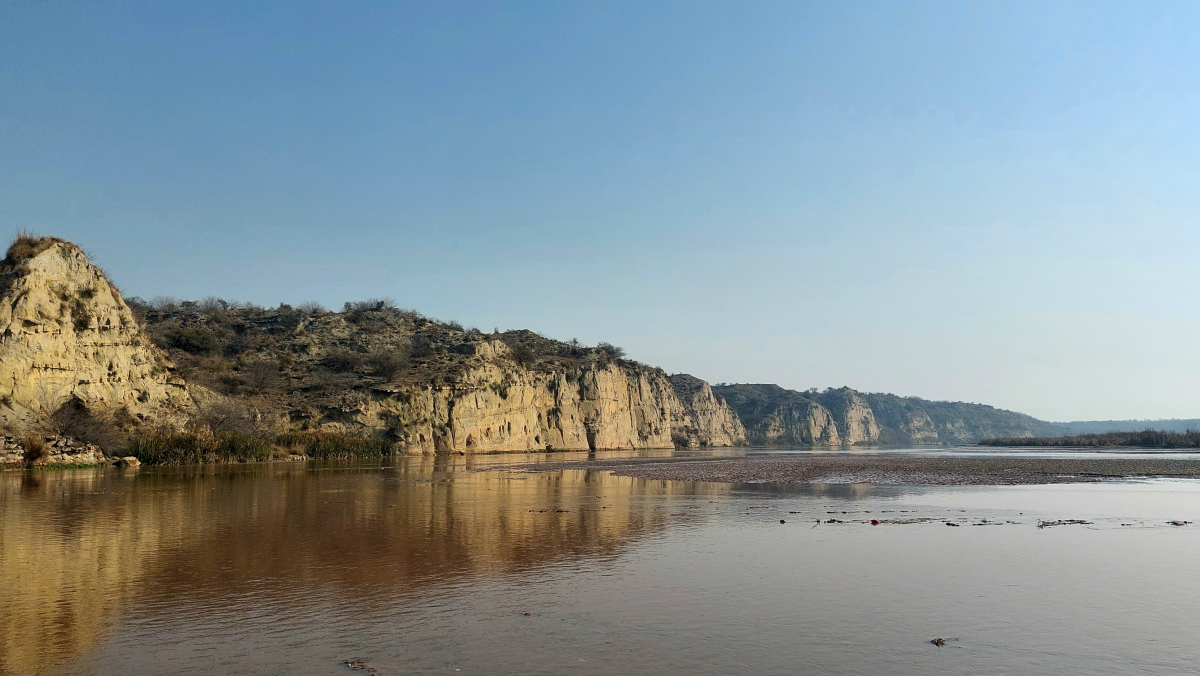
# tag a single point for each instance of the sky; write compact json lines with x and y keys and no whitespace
{"x":995,"y":202}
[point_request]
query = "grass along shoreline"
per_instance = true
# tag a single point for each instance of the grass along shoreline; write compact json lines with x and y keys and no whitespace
{"x":1143,"y":439}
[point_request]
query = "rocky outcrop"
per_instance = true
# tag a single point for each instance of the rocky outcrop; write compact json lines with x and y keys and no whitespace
{"x":851,"y":414}
{"x":706,"y":420}
{"x":67,"y":338}
{"x":39,"y":450}
{"x":774,"y":416}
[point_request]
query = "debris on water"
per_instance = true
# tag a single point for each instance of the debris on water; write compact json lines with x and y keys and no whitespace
{"x":951,"y":523}
{"x":1063,"y":522}
{"x":939,"y":642}
{"x":782,"y":521}
{"x":527,"y":614}
{"x":1179,"y":523}
{"x":834,"y":521}
{"x":359,"y":664}
{"x":875,"y":522}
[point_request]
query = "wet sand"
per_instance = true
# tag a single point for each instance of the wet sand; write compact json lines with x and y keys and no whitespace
{"x":884,"y":469}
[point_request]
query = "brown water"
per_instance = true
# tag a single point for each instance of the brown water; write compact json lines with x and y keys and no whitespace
{"x":423,"y":566}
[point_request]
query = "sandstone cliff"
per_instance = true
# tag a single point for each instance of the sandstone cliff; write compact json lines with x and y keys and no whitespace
{"x":774,"y":417}
{"x":71,"y":348}
{"x":915,"y":420}
{"x":68,"y":339}
{"x":434,"y":387}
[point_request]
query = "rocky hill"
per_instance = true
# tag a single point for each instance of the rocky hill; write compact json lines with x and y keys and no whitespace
{"x":774,"y":416}
{"x":79,"y":362}
{"x":432,"y":386}
{"x":71,"y":351}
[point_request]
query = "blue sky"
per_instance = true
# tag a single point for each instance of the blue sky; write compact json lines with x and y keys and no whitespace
{"x":992,"y":202}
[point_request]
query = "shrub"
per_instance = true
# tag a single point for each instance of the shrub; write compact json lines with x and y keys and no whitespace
{"x":334,"y":445}
{"x":194,"y":340}
{"x":342,"y":360}
{"x":186,"y":448}
{"x":611,"y":350}
{"x":26,"y":245}
{"x":164,"y":304}
{"x":261,"y":376}
{"x":211,"y":305}
{"x":387,"y":363}
{"x":34,"y":445}
{"x":522,"y":354}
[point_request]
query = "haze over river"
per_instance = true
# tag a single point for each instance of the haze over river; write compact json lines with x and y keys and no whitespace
{"x":441,"y":565}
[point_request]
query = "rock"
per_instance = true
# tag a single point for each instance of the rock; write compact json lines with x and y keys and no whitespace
{"x":67,"y":336}
{"x":774,"y":416}
{"x":129,"y":461}
{"x":55,"y":450}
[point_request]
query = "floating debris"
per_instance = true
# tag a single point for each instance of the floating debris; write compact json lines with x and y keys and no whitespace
{"x":1179,"y":523}
{"x":358,"y":664}
{"x":939,"y":642}
{"x":875,"y":522}
{"x":782,"y":521}
{"x":951,"y":523}
{"x":1063,"y":522}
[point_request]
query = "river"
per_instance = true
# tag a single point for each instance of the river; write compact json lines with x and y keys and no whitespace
{"x":442,"y":565}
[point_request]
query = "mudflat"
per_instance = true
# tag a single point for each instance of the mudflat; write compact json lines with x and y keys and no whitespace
{"x":885,"y":469}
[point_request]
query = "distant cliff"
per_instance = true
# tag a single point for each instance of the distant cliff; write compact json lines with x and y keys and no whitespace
{"x":774,"y":416}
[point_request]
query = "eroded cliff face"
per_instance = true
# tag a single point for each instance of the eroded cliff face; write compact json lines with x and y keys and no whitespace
{"x":66,"y":336}
{"x":852,"y":415}
{"x":495,"y":405}
{"x":774,"y":416}
{"x":706,"y":420}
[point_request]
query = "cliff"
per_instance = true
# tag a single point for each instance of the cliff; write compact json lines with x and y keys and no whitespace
{"x":78,"y":360}
{"x":434,"y":387}
{"x":775,"y":416}
{"x":70,"y":344}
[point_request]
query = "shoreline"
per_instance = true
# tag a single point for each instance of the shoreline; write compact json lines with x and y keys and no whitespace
{"x":880,"y":469}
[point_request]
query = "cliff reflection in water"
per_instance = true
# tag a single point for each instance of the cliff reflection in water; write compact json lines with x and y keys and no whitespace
{"x":78,"y":548}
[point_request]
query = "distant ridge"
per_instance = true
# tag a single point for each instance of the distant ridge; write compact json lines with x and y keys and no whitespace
{"x":774,"y":416}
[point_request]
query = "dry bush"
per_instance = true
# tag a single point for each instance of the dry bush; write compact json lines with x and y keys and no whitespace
{"x":26,"y":245}
{"x":72,"y":419}
{"x":342,"y":360}
{"x":261,"y":376}
{"x":387,"y":363}
{"x":223,"y":417}
{"x":522,"y":354}
{"x":34,"y":445}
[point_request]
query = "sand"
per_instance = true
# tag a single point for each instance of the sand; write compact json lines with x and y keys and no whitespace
{"x":883,"y":469}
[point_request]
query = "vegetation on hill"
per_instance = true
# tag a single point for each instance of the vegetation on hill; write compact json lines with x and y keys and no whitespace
{"x":1144,"y":439}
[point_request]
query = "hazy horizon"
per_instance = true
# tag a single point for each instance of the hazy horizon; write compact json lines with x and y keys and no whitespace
{"x":993,"y":203}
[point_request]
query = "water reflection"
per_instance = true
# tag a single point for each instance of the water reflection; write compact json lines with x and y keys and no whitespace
{"x":79,"y":547}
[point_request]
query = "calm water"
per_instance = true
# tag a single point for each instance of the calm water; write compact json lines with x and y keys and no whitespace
{"x":425,"y":566}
